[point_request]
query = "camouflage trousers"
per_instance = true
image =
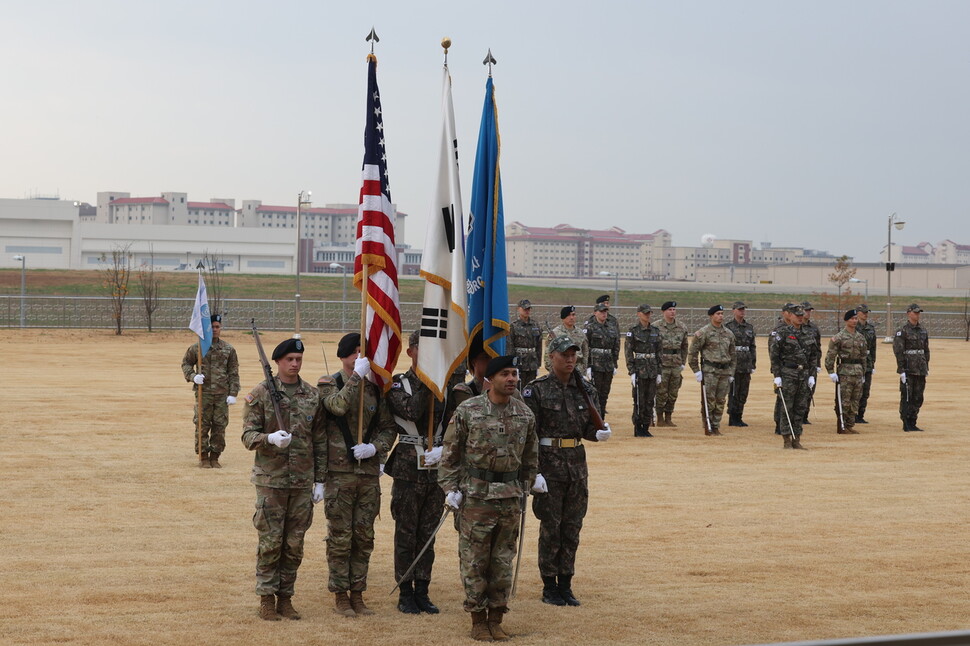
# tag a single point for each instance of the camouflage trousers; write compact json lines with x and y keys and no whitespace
{"x":643,"y":398}
{"x":488,"y":533}
{"x":215,"y":418}
{"x":560,"y":513}
{"x":911,"y":396}
{"x":603,"y":382}
{"x":351,"y":504}
{"x":416,"y":508}
{"x":526,"y":376}
{"x":669,"y":388}
{"x":850,"y":389}
{"x":864,"y":399}
{"x":717,"y":387}
{"x":282,"y":518}
{"x":798,"y":396}
{"x":739,"y":394}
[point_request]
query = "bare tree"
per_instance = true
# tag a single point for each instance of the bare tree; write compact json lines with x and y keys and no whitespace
{"x":115,"y":273}
{"x":214,"y":284}
{"x":844,"y":271}
{"x":150,"y":283}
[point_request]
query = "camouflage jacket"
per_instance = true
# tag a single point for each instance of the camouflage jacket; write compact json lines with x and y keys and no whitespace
{"x":460,"y":393}
{"x":219,"y":365}
{"x":561,"y":412}
{"x":484,"y":436}
{"x":411,"y":407}
{"x":577,"y":335}
{"x":744,"y":340}
{"x":911,"y":345}
{"x":817,"y":335}
{"x":868,"y":330}
{"x":604,"y":345}
{"x":642,"y":351}
{"x":525,"y":341}
{"x":301,"y":463}
{"x":716,"y":346}
{"x":793,"y":348}
{"x":673,"y":337}
{"x":341,"y":399}
{"x":847,"y":353}
{"x":610,"y":320}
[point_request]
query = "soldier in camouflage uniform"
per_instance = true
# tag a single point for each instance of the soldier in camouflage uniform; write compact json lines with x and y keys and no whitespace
{"x":287,"y":462}
{"x":817,"y":334}
{"x":568,"y":328}
{"x":562,"y":423}
{"x":642,"y":352}
{"x":219,"y":381}
{"x":525,"y":341}
{"x":610,"y":319}
{"x":911,"y":345}
{"x":416,"y":498}
{"x":784,"y":320}
{"x":846,"y":364}
{"x":489,"y":461}
{"x":352,"y":497}
{"x":673,"y":358}
{"x":744,"y":338}
{"x":867,"y":330}
{"x":604,"y":353}
{"x":715,"y":368}
{"x":793,"y":360}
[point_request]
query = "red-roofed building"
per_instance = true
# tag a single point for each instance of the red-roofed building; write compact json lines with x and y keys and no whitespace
{"x":951,"y":253}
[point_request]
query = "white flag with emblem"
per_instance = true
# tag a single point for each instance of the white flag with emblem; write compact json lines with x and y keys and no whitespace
{"x":444,"y":331}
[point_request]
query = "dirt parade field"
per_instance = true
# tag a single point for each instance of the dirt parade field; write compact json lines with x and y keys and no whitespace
{"x":112,"y":535}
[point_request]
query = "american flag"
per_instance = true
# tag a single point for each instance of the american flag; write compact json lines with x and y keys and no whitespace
{"x":375,"y":244}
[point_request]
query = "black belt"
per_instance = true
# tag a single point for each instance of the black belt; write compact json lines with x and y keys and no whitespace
{"x":718,"y":365}
{"x":852,"y":362}
{"x":671,"y":351}
{"x":493,"y":476}
{"x":797,"y":366}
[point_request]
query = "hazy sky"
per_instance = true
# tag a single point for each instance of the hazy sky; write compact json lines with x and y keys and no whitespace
{"x":799,"y":123}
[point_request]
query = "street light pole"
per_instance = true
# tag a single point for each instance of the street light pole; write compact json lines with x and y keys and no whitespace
{"x":862,"y":280}
{"x":616,"y":285}
{"x":890,"y":267}
{"x":23,"y":289}
{"x":343,"y":303}
{"x":302,"y":199}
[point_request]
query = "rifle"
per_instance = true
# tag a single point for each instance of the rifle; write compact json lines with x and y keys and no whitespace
{"x":275,"y":394}
{"x":708,"y":430}
{"x":838,"y":400}
{"x":781,"y":396}
{"x":518,"y":556}
{"x":594,"y":415}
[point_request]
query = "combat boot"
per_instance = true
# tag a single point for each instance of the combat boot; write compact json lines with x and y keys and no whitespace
{"x":646,"y":431}
{"x":342,"y":604}
{"x":480,"y":631}
{"x":405,"y":600}
{"x":850,"y":430}
{"x":906,"y":426}
{"x":566,"y":590}
{"x":732,"y":419}
{"x":661,"y":420}
{"x":859,"y":419}
{"x":357,"y":603}
{"x":797,"y":444}
{"x":741,"y":422}
{"x":204,"y":461}
{"x":214,"y":461}
{"x":550,"y":592}
{"x":421,"y":599}
{"x":913,"y":426}
{"x":495,"y":624}
{"x":267,"y":608}
{"x":667,"y":418}
{"x":787,"y":442}
{"x":284,"y":607}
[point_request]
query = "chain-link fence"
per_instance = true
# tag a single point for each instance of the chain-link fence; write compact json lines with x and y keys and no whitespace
{"x":337,"y":316}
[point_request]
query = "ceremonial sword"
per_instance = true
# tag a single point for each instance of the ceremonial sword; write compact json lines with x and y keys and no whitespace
{"x":444,"y":517}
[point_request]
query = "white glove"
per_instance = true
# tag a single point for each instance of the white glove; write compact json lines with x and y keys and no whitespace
{"x":873,"y":371}
{"x":752,"y":371}
{"x":317,"y":494}
{"x":589,"y":374}
{"x":902,"y":377}
{"x":432,"y":456}
{"x":362,"y":366}
{"x":381,"y":468}
{"x":604,"y":434}
{"x":834,"y":377}
{"x":230,"y":400}
{"x":633,"y":379}
{"x":778,"y":381}
{"x":281,"y":439}
{"x":364,"y":451}
{"x":699,"y":376}
{"x":615,"y":371}
{"x":731,"y":380}
{"x":540,"y":486}
{"x":659,"y":379}
{"x":682,"y":368}
{"x":198,"y":379}
{"x":811,"y":382}
{"x":453,"y":499}
{"x":818,"y":369}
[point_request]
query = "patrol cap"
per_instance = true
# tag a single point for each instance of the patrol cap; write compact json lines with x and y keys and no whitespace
{"x":497,"y":364}
{"x":348,"y":345}
{"x":714,"y":309}
{"x":863,"y":308}
{"x":738,"y":305}
{"x":605,"y":298}
{"x":562,"y":343}
{"x":601,"y":307}
{"x":797,"y":310}
{"x":666,"y":306}
{"x":788,"y":307}
{"x":414,"y":338}
{"x":807,"y":306}
{"x":849,"y":314}
{"x":914,"y":308}
{"x":525,"y":304}
{"x":215,"y":318}
{"x":288,"y":346}
{"x":566,"y":311}
{"x":646,"y":309}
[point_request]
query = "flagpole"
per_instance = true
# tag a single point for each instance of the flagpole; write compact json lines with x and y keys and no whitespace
{"x":431,"y":400}
{"x":363,"y":344}
{"x":198,"y":417}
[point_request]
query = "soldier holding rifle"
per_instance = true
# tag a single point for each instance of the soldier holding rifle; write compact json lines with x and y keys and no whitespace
{"x":845,"y":362}
{"x":793,"y":361}
{"x":911,"y":345}
{"x":673,"y":359}
{"x":525,"y":341}
{"x":867,"y":330}
{"x":715,"y":370}
{"x":642,"y":351}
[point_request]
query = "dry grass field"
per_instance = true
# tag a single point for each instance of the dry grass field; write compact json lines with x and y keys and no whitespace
{"x":112,"y":535}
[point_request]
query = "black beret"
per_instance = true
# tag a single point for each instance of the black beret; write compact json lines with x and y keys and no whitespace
{"x":849,"y":314}
{"x":602,"y":299}
{"x":476,"y":348}
{"x":348,"y":345}
{"x":498,"y":364}
{"x":666,"y":306}
{"x":714,"y":309}
{"x":566,"y":311}
{"x":288,"y":346}
{"x":216,"y":318}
